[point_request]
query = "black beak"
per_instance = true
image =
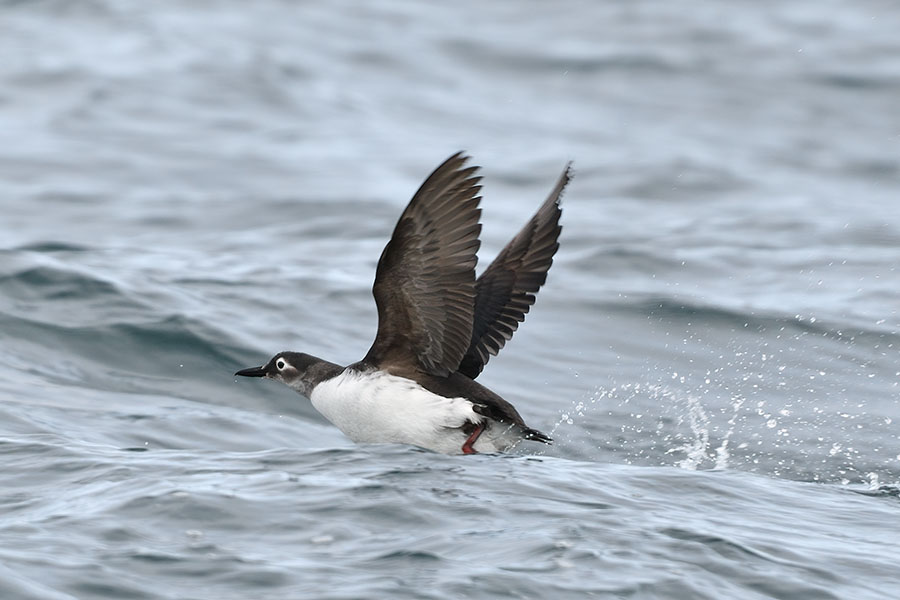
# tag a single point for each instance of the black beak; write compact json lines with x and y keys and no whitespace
{"x":252,"y":372}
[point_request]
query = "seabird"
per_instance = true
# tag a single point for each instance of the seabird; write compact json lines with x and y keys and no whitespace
{"x":437,"y":326}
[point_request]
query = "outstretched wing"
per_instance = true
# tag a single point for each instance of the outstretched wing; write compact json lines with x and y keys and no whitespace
{"x":425,"y":282}
{"x":506,"y":289}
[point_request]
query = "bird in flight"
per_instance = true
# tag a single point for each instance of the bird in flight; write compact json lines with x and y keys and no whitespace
{"x":438,"y":325}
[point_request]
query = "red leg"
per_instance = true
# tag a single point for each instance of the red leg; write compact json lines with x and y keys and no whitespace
{"x":467,"y":447}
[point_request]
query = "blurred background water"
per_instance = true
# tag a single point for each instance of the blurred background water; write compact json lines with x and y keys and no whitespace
{"x":187,"y":188}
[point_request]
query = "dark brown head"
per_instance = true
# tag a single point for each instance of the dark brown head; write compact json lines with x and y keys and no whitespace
{"x":300,"y":372}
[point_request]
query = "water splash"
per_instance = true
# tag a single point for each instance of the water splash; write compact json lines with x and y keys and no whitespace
{"x":722,"y":454}
{"x":695,"y":449}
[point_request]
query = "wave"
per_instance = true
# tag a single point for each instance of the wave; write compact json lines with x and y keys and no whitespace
{"x":695,"y":312}
{"x":49,"y":283}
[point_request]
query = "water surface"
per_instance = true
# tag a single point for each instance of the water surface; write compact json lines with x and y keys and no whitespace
{"x":186,"y":190}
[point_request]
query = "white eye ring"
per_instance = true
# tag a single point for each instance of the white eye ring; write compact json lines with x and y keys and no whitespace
{"x":280,"y":364}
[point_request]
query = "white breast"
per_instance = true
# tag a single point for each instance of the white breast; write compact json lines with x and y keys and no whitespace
{"x":375,"y":407}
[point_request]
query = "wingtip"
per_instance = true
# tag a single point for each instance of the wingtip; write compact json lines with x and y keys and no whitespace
{"x":456,"y":168}
{"x":563,"y":181}
{"x":460,"y":156}
{"x":554,"y":199}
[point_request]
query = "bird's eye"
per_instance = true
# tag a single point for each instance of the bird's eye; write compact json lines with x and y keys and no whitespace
{"x":280,"y":364}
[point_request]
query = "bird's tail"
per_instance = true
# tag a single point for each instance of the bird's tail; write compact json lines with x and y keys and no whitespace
{"x":533,"y":434}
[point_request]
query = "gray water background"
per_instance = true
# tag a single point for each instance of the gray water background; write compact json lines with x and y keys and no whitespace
{"x":187,"y":188}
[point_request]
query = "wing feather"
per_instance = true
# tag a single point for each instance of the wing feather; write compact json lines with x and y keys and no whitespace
{"x":506,"y":290}
{"x":425,"y":282}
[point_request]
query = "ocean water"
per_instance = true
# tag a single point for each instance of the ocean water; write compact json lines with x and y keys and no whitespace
{"x":188,"y":188}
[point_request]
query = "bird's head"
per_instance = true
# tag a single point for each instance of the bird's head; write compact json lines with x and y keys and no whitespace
{"x":290,"y":368}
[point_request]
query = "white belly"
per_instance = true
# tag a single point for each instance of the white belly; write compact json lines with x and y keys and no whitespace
{"x":383,"y":408}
